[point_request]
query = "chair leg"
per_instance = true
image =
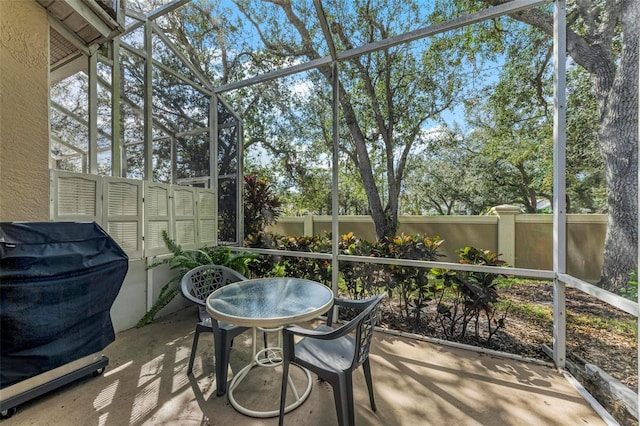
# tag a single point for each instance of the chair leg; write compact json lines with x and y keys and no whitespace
{"x":348,"y":398}
{"x":366,"y":367}
{"x":222,"y":351}
{"x":283,"y":390}
{"x":194,"y":345}
{"x":341,"y":397}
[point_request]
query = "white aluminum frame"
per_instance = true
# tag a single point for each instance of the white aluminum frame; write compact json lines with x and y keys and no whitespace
{"x":558,"y":274}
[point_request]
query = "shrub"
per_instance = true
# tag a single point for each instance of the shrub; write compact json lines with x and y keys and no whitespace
{"x":412,"y":283}
{"x":631,"y":289}
{"x":261,"y":207}
{"x":183,"y":261}
{"x":362,"y":279}
{"x":463,"y":296}
{"x":301,"y":267}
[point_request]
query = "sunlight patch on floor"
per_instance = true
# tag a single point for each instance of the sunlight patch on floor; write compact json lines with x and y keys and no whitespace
{"x":146,"y":401}
{"x":105,"y":397}
{"x":113,"y":371}
{"x":150,"y":370}
{"x":180,"y":379}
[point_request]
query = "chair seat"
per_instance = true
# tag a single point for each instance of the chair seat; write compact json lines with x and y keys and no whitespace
{"x":206,"y":322}
{"x":332,"y":355}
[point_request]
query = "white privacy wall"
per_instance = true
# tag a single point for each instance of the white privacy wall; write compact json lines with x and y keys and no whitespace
{"x":135,"y":213}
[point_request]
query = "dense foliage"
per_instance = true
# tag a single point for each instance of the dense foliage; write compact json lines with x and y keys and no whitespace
{"x":475,"y":294}
{"x":261,"y":206}
{"x":459,"y":297}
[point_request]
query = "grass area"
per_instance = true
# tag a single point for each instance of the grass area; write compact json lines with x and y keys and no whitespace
{"x":583,"y":311}
{"x":627,"y":327}
{"x":543,"y":315}
{"x":533,"y":312}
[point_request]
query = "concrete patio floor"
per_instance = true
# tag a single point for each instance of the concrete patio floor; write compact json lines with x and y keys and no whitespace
{"x":415,"y":383}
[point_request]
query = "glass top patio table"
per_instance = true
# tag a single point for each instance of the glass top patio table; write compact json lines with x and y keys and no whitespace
{"x":269,"y":302}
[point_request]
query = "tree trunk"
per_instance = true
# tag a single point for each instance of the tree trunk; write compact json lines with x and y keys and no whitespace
{"x":618,"y":137}
{"x":383,"y":222}
{"x":376,"y":210}
{"x":618,"y":142}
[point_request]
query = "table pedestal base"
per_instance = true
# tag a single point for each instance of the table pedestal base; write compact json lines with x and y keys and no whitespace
{"x":269,"y":357}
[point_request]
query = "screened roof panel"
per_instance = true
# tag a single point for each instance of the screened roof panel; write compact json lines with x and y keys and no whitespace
{"x":231,"y":33}
{"x":351,"y":26}
{"x":146,"y":6}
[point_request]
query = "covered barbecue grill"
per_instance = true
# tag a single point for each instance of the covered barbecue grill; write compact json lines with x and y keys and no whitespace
{"x":58,"y":281}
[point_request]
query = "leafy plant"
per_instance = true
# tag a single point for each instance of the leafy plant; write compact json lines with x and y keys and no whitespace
{"x":262,"y":207}
{"x":471,"y":295}
{"x":279,"y":270}
{"x":361,"y":279}
{"x":631,"y":290}
{"x":301,"y":267}
{"x":413,"y":283}
{"x":183,"y":261}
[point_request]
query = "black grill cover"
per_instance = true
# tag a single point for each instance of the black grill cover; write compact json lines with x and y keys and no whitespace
{"x":58,"y":281}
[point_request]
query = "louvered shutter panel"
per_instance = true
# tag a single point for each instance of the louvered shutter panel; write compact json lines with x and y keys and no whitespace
{"x":184,"y":215}
{"x":76,"y":197}
{"x":157,"y":211}
{"x":206,"y":217}
{"x":122,"y":215}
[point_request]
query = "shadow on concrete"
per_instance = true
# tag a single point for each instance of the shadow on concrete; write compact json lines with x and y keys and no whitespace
{"x":416,"y":383}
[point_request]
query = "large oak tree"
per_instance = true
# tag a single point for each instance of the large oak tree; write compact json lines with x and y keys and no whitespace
{"x":384,"y":107}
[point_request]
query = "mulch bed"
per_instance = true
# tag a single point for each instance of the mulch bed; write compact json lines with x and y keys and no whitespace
{"x":592,"y":332}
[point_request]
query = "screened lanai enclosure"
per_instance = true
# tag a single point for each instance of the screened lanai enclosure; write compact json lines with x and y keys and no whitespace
{"x":112,"y":93}
{"x":373,"y":109}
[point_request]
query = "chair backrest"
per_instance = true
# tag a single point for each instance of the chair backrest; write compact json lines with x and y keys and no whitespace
{"x":364,"y":324}
{"x":200,"y":282}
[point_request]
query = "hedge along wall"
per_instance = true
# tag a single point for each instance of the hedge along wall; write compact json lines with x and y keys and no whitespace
{"x":527,"y":241}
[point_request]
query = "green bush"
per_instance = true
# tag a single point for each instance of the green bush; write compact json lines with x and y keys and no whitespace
{"x":412,"y":284}
{"x":261,"y":208}
{"x":361,"y":279}
{"x":461,"y":299}
{"x":300,"y":267}
{"x":466,"y":297}
{"x":631,"y":290}
{"x":183,"y":261}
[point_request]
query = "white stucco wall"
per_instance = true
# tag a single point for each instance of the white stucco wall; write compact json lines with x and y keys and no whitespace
{"x":24,"y":115}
